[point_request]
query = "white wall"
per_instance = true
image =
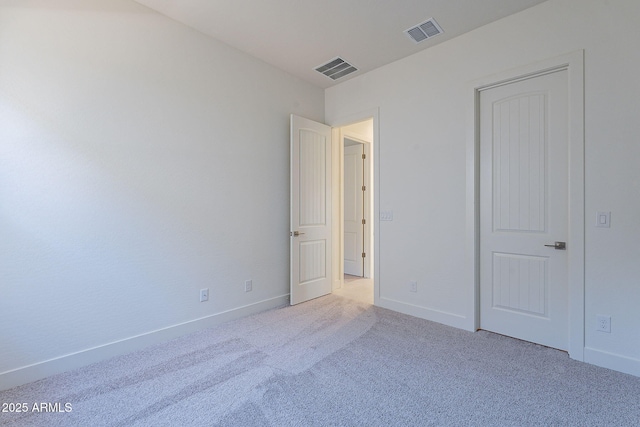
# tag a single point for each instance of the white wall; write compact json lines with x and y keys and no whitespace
{"x":424,"y":123}
{"x":140,"y":161}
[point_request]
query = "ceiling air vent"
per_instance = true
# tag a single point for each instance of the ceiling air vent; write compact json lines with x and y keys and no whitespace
{"x":336,"y":68}
{"x":426,"y":30}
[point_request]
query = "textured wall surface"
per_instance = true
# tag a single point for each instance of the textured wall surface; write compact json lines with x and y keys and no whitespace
{"x":140,"y":161}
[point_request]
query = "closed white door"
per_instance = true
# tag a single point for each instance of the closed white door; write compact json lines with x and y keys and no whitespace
{"x":524,"y":209}
{"x":353,"y":209}
{"x":310,"y":236}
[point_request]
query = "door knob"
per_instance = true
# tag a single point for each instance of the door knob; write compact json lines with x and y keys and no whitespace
{"x":558,"y":245}
{"x":297,"y":233}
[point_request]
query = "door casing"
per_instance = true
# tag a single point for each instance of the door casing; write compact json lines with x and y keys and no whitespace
{"x":574,"y":64}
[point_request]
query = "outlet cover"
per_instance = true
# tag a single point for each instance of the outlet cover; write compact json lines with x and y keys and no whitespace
{"x":413,"y":286}
{"x":204,"y":295}
{"x":248,"y":285}
{"x":603,"y":219}
{"x":603,"y":323}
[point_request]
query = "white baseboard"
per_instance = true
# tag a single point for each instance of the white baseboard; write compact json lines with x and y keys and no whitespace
{"x":449,"y":319}
{"x":600,"y":358}
{"x":613,"y":361}
{"x":37,"y":371}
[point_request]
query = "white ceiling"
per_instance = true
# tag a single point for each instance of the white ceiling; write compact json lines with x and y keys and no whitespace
{"x":299,"y":35}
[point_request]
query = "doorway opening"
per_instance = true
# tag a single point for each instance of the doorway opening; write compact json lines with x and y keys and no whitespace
{"x":356,"y":211}
{"x":317,"y":206}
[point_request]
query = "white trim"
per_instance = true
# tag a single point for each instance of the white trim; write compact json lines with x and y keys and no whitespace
{"x":375,"y":158}
{"x":431,"y":314}
{"x":37,"y":371}
{"x":574,"y":64}
{"x":337,"y":261}
{"x":613,"y":361}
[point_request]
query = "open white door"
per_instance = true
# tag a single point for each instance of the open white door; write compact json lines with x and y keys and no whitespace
{"x":310,"y":236}
{"x":353,"y":200}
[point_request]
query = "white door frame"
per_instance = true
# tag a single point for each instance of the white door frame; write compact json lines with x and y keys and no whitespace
{"x":574,"y":64}
{"x":338,"y":267}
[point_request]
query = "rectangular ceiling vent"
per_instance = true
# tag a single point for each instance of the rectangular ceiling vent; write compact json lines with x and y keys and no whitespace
{"x":426,"y":30}
{"x":336,"y":68}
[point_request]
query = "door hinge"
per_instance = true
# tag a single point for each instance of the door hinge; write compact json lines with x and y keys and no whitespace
{"x":364,"y":255}
{"x":364,"y":221}
{"x":364,"y":188}
{"x":364,"y":156}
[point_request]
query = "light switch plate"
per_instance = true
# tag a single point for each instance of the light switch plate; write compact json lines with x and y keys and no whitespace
{"x":386,"y":215}
{"x":603,"y":219}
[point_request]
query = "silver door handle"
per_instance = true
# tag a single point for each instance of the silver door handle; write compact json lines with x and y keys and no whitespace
{"x":558,"y":245}
{"x":297,"y":233}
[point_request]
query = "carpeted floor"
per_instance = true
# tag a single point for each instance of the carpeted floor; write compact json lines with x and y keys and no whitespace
{"x":335,"y":362}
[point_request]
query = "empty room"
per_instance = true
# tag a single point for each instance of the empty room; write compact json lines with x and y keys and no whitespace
{"x":415,"y":212}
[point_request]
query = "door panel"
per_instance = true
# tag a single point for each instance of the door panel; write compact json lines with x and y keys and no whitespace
{"x":313,"y":261}
{"x":520,"y":283}
{"x":523,"y":207}
{"x":310,"y":245}
{"x":312,"y":176}
{"x":353,"y":210}
{"x":519,"y":150}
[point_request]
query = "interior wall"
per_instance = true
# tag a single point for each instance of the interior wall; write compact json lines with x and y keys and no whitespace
{"x":424,"y":110}
{"x":140,"y":161}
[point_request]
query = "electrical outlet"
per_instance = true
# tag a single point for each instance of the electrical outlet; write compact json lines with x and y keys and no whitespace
{"x":248,"y":285}
{"x":204,"y":295}
{"x":413,"y":286}
{"x":603,"y":219}
{"x":603,"y":323}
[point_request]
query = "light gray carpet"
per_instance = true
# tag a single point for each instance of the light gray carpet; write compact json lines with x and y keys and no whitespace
{"x":336,"y":362}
